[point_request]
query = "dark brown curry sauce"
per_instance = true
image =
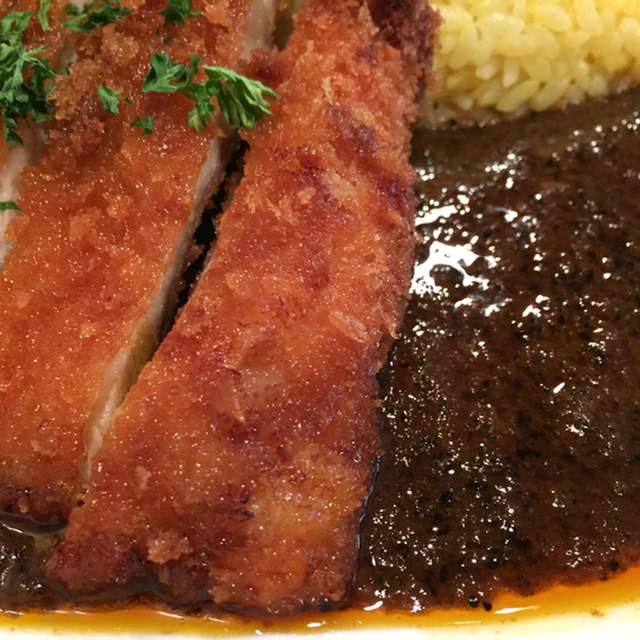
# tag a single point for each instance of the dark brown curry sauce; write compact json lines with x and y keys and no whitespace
{"x":511,"y":408}
{"x":511,"y":412}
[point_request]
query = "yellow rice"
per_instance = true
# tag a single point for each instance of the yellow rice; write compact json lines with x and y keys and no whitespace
{"x":511,"y":56}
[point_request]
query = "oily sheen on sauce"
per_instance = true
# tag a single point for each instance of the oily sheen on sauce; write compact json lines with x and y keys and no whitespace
{"x":510,"y":410}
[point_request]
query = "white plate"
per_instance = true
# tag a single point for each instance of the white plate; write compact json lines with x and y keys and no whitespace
{"x":593,"y":612}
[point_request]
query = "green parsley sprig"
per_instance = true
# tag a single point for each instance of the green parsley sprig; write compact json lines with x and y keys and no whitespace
{"x":7,"y":205}
{"x":110,"y":98}
{"x":43,"y":10}
{"x":26,"y":78}
{"x":242,"y":101}
{"x":94,"y":14}
{"x":146,"y":124}
{"x":178,"y":11}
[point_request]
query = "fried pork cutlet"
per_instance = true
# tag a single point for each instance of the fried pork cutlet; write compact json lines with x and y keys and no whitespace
{"x":237,"y":467}
{"x":83,"y":290}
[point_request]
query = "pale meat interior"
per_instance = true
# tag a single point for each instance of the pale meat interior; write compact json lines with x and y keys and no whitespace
{"x":123,"y":370}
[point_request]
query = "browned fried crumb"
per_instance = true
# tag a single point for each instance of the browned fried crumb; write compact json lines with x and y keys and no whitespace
{"x":240,"y":461}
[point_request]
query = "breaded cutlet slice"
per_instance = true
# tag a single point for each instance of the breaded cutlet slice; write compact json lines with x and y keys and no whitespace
{"x":237,"y":467}
{"x":98,"y":251}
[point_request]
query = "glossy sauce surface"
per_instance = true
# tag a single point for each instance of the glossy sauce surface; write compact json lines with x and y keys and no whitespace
{"x":511,"y":408}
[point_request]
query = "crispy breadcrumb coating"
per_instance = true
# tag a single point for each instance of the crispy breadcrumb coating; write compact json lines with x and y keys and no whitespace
{"x":102,"y":212}
{"x":239,"y":463}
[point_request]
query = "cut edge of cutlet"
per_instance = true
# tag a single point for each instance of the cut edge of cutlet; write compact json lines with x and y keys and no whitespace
{"x":123,"y":370}
{"x":125,"y":367}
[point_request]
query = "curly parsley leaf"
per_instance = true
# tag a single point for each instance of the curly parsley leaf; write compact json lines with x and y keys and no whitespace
{"x":166,"y":76}
{"x":110,"y":98}
{"x":13,"y":26}
{"x":94,"y":14}
{"x":241,"y":101}
{"x":43,"y":10}
{"x":178,"y":11}
{"x":7,"y":205}
{"x":26,"y":78}
{"x":146,"y":124}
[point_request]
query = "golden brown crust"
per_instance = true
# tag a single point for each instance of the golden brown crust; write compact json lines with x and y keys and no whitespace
{"x":240,"y":460}
{"x":101,"y":214}
{"x":411,"y":27}
{"x":35,"y":36}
